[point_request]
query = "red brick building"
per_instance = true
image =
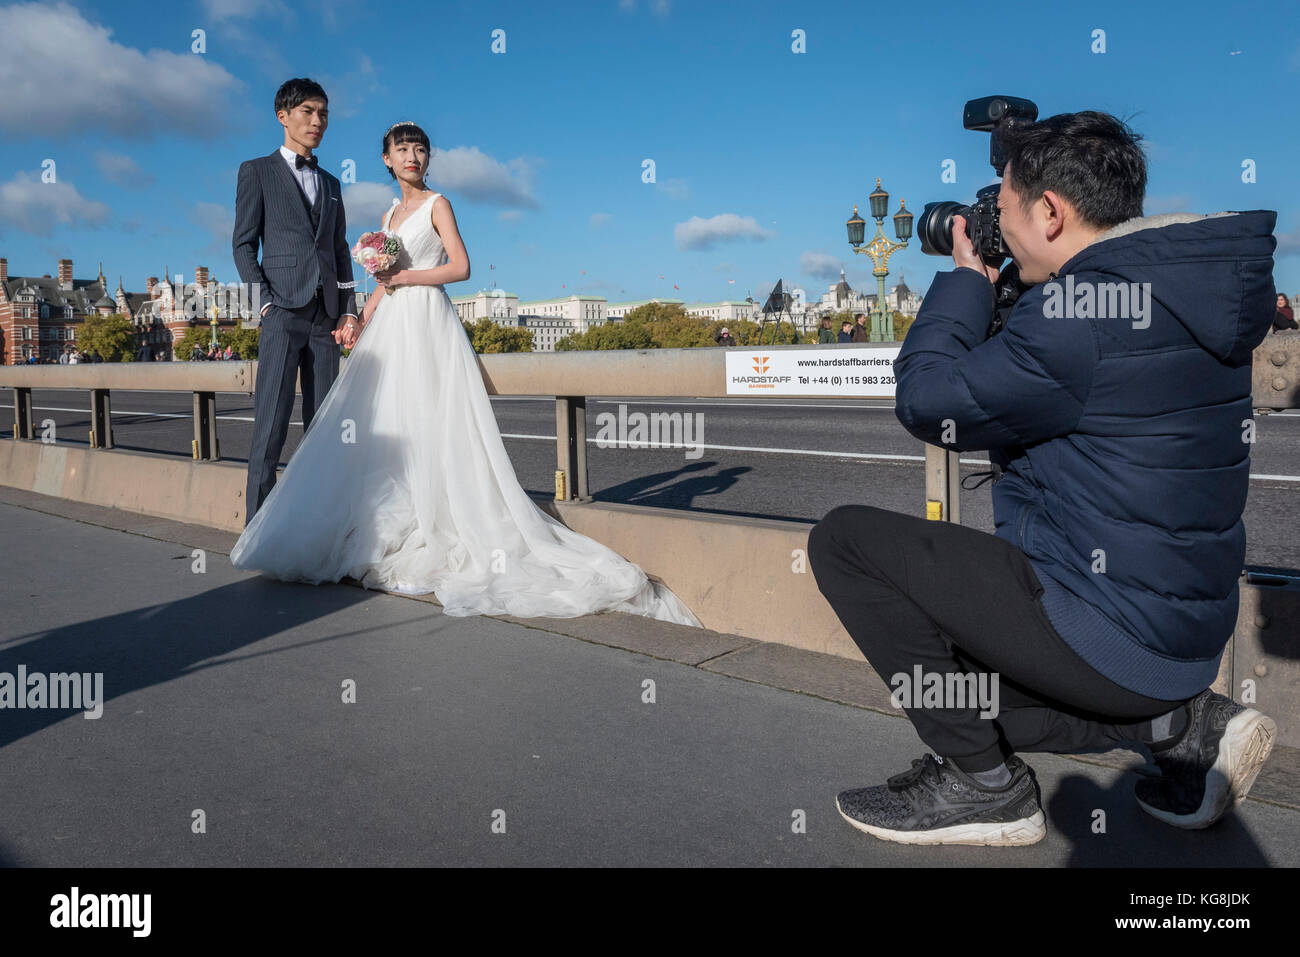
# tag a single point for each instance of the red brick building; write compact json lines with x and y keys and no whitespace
{"x":40,"y":315}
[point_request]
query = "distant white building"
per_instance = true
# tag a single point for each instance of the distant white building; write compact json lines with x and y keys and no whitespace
{"x":729,"y":310}
{"x":496,"y":304}
{"x":583,"y":311}
{"x":547,"y":331}
{"x":902,"y":299}
{"x":841,"y":297}
{"x":617,"y":311}
{"x":550,"y":320}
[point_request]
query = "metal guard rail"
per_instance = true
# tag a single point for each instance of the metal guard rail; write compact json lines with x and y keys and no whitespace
{"x":567,"y":376}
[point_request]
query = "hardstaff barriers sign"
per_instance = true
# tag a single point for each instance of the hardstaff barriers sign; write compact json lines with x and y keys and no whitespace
{"x":824,"y":371}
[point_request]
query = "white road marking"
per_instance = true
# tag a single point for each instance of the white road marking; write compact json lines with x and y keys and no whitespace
{"x":1260,"y":477}
{"x":149,"y":415}
{"x":713,"y":402}
{"x":757,"y":448}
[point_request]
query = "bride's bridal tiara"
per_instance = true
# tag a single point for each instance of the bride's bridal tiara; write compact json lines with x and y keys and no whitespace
{"x":402,"y":123}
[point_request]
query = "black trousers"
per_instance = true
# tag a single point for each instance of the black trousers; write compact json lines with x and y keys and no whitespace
{"x":955,"y":600}
{"x":294,"y":343}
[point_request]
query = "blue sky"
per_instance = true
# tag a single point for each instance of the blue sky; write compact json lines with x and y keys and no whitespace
{"x":759,"y":152}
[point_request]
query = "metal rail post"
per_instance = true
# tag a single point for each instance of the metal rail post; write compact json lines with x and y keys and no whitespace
{"x":571,"y":449}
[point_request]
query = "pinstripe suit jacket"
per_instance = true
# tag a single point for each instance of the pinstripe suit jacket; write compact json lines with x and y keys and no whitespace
{"x":270,"y":209}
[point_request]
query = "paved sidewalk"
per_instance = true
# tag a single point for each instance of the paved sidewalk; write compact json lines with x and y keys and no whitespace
{"x":223,"y":693}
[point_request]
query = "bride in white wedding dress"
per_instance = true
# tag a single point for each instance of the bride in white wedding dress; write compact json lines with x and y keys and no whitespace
{"x":402,"y":481}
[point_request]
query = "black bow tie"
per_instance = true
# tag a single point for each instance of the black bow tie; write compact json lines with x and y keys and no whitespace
{"x":300,"y":161}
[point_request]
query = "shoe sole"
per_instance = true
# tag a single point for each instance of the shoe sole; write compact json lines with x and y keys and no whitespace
{"x":1028,"y":830}
{"x":1243,"y":749}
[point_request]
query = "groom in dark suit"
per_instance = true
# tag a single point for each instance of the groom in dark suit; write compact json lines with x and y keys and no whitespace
{"x":295,"y":210}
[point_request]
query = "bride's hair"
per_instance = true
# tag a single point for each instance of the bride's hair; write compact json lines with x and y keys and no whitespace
{"x":400,"y":133}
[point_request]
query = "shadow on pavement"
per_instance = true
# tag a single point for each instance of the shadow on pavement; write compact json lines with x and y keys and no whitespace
{"x":156,"y":644}
{"x":1132,"y":838}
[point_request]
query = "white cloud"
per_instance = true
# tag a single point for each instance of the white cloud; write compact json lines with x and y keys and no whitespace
{"x":353,"y":92}
{"x":599,"y":220}
{"x":31,"y":206}
{"x":675,"y":188}
{"x":698,"y":233}
{"x":364,"y":204}
{"x":258,"y":50}
{"x":123,"y":170}
{"x":62,"y":74}
{"x":1288,"y":244}
{"x":218,"y":221}
{"x":255,"y":30}
{"x":468,"y":172}
{"x":510,"y":215}
{"x":819,"y":265}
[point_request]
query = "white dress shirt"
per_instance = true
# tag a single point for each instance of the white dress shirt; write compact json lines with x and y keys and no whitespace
{"x":306,"y":176}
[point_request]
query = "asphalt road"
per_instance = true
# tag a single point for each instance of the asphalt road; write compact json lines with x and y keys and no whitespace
{"x":781,"y":458}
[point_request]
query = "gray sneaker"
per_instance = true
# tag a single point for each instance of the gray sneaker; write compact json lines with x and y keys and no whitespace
{"x":1211,"y":767}
{"x":935,"y":803}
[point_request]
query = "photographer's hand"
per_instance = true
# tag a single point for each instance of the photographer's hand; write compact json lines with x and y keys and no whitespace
{"x":963,"y":252}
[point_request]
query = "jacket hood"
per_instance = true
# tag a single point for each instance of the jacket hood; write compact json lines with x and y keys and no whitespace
{"x":1212,"y":273}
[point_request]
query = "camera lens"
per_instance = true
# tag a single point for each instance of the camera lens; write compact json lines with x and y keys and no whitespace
{"x":935,"y":227}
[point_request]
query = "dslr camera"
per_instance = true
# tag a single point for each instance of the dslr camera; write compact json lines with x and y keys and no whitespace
{"x":997,"y":115}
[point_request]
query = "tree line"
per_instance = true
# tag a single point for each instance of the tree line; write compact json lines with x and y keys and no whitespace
{"x":652,"y":326}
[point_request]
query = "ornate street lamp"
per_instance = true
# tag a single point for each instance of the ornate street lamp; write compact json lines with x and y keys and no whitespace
{"x":880,"y":249}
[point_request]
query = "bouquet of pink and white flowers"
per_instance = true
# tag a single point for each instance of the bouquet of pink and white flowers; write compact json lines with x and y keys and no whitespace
{"x":377,"y":252}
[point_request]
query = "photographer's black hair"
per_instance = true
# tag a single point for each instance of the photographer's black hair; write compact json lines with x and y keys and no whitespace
{"x":404,"y":133}
{"x":1091,"y":159}
{"x":293,"y":92}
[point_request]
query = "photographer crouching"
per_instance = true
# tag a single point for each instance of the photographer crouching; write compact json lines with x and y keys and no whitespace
{"x":1114,"y":397}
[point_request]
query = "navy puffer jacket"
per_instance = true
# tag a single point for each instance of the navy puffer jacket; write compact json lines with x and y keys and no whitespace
{"x":1124,"y":438}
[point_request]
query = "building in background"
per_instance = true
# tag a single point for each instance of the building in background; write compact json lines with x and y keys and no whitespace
{"x":496,"y":304}
{"x":841,"y":297}
{"x":174,"y":306}
{"x":550,"y":320}
{"x":729,"y":310}
{"x":40,"y":315}
{"x":902,"y":299}
{"x":617,"y":311}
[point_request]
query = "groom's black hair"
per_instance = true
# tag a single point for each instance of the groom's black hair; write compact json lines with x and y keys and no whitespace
{"x":293,"y":92}
{"x":404,"y":133}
